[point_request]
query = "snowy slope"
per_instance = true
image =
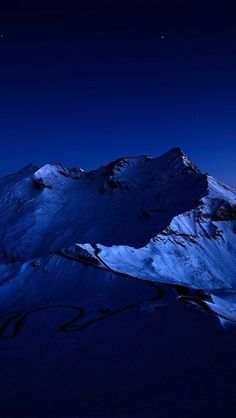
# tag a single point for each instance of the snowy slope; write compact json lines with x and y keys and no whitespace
{"x":196,"y":249}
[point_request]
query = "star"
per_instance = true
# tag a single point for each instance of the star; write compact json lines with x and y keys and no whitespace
{"x":163,"y":36}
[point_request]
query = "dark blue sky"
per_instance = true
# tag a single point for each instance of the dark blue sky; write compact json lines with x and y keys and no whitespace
{"x":84,"y":82}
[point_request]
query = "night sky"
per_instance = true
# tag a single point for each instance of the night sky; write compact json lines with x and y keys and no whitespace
{"x":85,"y":82}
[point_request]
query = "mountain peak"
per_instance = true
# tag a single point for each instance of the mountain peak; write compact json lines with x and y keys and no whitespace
{"x":177,"y":157}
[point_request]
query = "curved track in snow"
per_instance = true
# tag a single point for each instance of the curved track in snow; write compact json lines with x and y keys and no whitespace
{"x":13,"y":322}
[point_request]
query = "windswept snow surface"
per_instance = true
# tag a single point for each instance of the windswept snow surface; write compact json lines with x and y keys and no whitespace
{"x":97,"y":272}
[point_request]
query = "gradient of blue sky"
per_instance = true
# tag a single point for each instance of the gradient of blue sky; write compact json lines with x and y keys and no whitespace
{"x":85,"y":82}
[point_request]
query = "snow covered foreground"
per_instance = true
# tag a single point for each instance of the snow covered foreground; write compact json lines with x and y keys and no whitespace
{"x":157,"y":219}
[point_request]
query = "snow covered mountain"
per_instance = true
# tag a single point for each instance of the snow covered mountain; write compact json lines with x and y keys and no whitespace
{"x":141,"y":237}
{"x":157,"y":219}
{"x":127,"y":202}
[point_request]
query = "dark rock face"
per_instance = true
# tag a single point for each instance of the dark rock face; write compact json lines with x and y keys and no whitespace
{"x":41,"y":184}
{"x":226,"y":212}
